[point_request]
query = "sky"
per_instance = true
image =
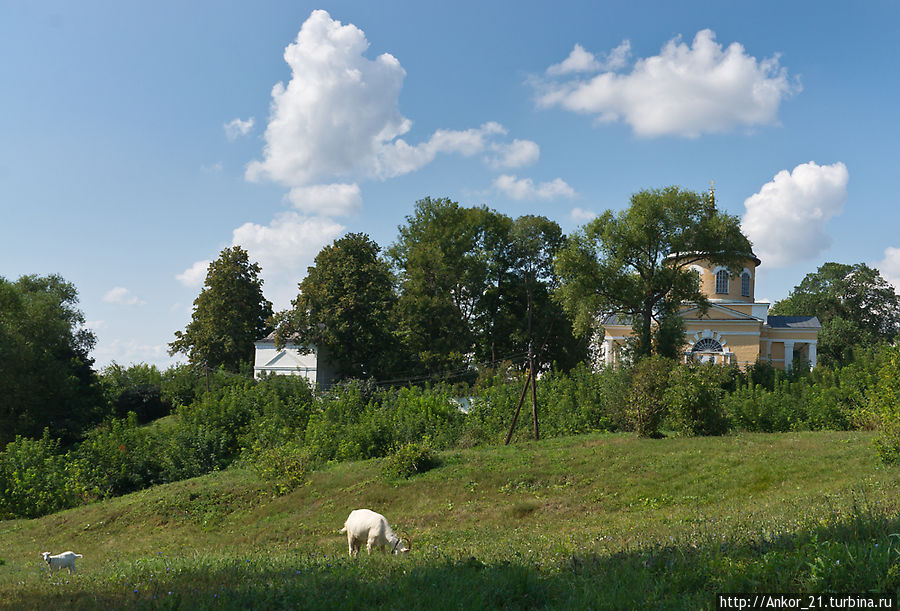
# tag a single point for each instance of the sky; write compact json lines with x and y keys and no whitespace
{"x":140,"y":139}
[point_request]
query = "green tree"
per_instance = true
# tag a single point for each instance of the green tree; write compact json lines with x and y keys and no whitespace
{"x":475,"y":283}
{"x":345,"y":308}
{"x":636,"y":264}
{"x":46,"y":373}
{"x":524,"y":279}
{"x":443,"y":260}
{"x":230,"y":314}
{"x":856,"y":306}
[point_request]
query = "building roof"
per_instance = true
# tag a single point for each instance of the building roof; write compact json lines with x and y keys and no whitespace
{"x":793,"y":322}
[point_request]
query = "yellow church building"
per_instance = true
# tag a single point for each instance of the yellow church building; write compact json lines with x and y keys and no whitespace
{"x":735,"y":329}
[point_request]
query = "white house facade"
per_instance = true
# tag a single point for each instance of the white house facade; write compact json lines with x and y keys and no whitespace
{"x":292,"y":359}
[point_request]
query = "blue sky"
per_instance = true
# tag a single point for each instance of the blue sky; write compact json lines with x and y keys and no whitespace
{"x":137,"y":140}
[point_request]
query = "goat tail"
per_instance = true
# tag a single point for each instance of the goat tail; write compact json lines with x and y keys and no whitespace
{"x":79,"y":556}
{"x":344,"y":529}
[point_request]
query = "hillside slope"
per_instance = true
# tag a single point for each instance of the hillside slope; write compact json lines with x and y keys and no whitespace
{"x":541,"y":519}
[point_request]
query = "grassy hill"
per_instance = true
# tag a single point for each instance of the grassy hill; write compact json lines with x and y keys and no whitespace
{"x":587,"y":521}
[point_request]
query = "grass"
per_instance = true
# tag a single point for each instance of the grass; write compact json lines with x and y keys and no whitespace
{"x":593,"y":521}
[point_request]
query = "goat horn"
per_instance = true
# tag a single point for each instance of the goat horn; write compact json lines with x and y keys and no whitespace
{"x":408,"y":544}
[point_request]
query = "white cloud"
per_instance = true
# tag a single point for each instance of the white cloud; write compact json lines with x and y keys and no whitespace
{"x":338,"y":119}
{"x":514,"y":154}
{"x":686,"y":90}
{"x":237,"y":127}
{"x":524,"y":188}
{"x":889,"y":266}
{"x":580,"y":60}
{"x":336,"y":112}
{"x":786,"y":219}
{"x":337,"y":199}
{"x":398,"y":157}
{"x":579,"y":215}
{"x":122,"y":296}
{"x":284,"y":249}
{"x":195,"y":275}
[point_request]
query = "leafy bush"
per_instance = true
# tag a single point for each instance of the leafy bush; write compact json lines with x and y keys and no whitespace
{"x":581,"y":401}
{"x":118,"y":457}
{"x":285,"y":466}
{"x":491,"y":411}
{"x":694,"y":401}
{"x":35,"y":479}
{"x":409,"y":459}
{"x":645,"y":402}
{"x":885,"y":405}
{"x":756,"y":409}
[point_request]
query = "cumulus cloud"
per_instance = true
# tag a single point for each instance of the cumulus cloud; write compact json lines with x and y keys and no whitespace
{"x":514,"y":154}
{"x":337,"y":199}
{"x":580,"y":60}
{"x":525,"y":188}
{"x":786,"y":219}
{"x":579,"y":215}
{"x":889,"y":266}
{"x":284,"y":249}
{"x":686,"y":90}
{"x":195,"y":275}
{"x":399,"y":157}
{"x":237,"y":127}
{"x":337,"y":120}
{"x":122,"y":296}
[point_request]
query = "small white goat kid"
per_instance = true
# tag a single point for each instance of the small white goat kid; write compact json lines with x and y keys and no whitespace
{"x":60,"y":561}
{"x":373,"y":528}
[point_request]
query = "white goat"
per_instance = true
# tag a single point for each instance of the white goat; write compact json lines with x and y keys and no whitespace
{"x":373,"y":528}
{"x":59,"y":561}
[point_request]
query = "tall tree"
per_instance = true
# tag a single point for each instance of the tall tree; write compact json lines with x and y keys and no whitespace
{"x":230,"y":314}
{"x":345,"y":307}
{"x":523,"y":278}
{"x":46,"y":375}
{"x":476,"y":284}
{"x":856,"y":306}
{"x":443,"y":267}
{"x":636,"y":264}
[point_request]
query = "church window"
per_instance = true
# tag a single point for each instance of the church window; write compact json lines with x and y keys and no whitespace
{"x":745,"y":284}
{"x":722,"y":282}
{"x":707,"y":344}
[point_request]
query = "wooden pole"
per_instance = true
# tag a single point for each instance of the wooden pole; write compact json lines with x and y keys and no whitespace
{"x":534,"y":408}
{"x":518,"y":407}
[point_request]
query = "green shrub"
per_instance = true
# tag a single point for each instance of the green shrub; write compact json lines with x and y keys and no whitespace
{"x":409,"y":459}
{"x":284,"y":466}
{"x":885,"y":404}
{"x":756,"y":409}
{"x":118,"y":457}
{"x":35,"y":479}
{"x":645,"y":402}
{"x":493,"y":402}
{"x":694,"y":401}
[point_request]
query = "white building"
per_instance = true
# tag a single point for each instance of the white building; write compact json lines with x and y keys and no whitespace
{"x":293,"y":359}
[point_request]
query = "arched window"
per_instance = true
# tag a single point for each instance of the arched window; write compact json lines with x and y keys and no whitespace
{"x":722,"y":282}
{"x":745,"y":284}
{"x":707,"y":344}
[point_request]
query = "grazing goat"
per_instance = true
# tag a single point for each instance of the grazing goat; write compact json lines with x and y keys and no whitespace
{"x":59,"y":561}
{"x":373,"y":528}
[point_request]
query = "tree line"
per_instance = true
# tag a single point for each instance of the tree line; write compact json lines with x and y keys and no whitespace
{"x":460,"y":290}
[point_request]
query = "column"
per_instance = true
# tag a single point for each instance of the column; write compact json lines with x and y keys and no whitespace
{"x":768,"y":350}
{"x":607,"y":351}
{"x":788,"y":354}
{"x":812,"y":354}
